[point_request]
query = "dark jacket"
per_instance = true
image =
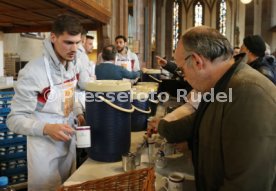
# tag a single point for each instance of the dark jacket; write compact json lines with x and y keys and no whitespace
{"x":234,"y":143}
{"x":266,"y":66}
{"x":172,"y":68}
{"x":110,"y":71}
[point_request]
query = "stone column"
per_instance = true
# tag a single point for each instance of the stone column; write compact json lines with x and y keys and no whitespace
{"x":121,"y":7}
{"x":1,"y":54}
{"x":257,"y":17}
{"x":266,"y":19}
{"x":159,"y":42}
{"x":138,"y":14}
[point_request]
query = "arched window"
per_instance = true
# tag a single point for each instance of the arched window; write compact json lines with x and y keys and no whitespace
{"x":173,"y":17}
{"x":222,"y":10}
{"x":176,"y":22}
{"x":198,"y":13}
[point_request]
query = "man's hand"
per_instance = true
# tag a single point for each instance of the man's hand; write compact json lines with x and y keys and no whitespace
{"x":153,"y":126}
{"x":58,"y":132}
{"x":181,"y":147}
{"x":161,"y":61}
{"x":81,"y":120}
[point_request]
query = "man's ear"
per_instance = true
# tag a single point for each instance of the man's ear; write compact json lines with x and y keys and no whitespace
{"x":53,"y":37}
{"x":198,"y":61}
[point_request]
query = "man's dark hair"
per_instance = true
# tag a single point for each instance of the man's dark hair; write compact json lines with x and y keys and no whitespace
{"x":84,"y":32}
{"x":255,"y":44}
{"x":109,"y":53}
{"x":67,"y":23}
{"x":121,"y":37}
{"x":90,"y":37}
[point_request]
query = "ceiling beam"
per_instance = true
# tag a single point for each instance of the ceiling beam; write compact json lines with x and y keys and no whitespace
{"x":89,"y":8}
{"x":42,"y":28}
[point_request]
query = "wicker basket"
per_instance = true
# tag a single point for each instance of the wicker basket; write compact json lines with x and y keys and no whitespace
{"x":137,"y":180}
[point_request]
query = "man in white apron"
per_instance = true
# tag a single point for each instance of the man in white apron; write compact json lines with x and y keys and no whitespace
{"x":125,"y":57}
{"x":88,"y":46}
{"x":43,"y":107}
{"x":86,"y":67}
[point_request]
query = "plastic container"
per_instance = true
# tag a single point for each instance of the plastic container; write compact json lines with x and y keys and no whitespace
{"x":152,"y":89}
{"x":4,"y":184}
{"x":108,"y":111}
{"x":142,"y":110}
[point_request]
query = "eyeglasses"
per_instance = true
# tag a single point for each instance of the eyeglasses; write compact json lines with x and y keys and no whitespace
{"x":187,"y":57}
{"x":179,"y":71}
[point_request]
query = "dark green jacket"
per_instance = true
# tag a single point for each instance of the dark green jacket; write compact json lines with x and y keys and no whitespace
{"x":234,"y":143}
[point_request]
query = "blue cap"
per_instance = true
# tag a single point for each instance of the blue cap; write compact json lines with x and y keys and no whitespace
{"x":4,"y":181}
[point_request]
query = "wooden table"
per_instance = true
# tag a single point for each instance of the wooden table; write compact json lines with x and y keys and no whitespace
{"x":91,"y":169}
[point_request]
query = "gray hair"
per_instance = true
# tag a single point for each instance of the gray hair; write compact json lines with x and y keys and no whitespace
{"x":207,"y":42}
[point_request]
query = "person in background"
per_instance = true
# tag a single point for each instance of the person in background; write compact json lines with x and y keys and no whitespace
{"x":169,"y":66}
{"x":124,"y":56}
{"x":236,"y":50}
{"x":43,"y":107}
{"x":109,"y":71}
{"x":229,"y":148}
{"x":86,"y":67}
{"x":254,"y":47}
{"x":89,"y":44}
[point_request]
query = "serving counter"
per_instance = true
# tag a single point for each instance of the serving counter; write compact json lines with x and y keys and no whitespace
{"x":91,"y":169}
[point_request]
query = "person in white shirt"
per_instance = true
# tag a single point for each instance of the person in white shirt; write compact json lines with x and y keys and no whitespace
{"x":124,"y":57}
{"x":88,"y":44}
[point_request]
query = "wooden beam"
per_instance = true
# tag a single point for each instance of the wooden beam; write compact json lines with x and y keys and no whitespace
{"x":19,"y":29}
{"x":42,"y":28}
{"x":89,"y":8}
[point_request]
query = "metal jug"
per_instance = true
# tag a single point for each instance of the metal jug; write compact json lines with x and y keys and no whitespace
{"x":128,"y":160}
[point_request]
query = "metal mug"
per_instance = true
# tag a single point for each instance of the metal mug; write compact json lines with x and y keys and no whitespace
{"x":168,"y":148}
{"x":128,"y":161}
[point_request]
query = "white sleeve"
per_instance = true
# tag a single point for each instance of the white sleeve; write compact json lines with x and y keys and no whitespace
{"x":188,"y":108}
{"x":77,"y":108}
{"x":83,"y":69}
{"x":136,"y":62}
{"x":180,"y":112}
{"x":194,"y":98}
{"x":20,"y":120}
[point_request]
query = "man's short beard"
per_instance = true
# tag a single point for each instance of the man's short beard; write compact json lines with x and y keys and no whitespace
{"x":120,"y":50}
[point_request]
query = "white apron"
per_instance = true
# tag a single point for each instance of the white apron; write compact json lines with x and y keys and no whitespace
{"x":51,"y":162}
{"x":124,"y":62}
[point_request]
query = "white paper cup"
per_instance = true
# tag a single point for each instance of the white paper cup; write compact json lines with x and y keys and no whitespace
{"x":83,"y":136}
